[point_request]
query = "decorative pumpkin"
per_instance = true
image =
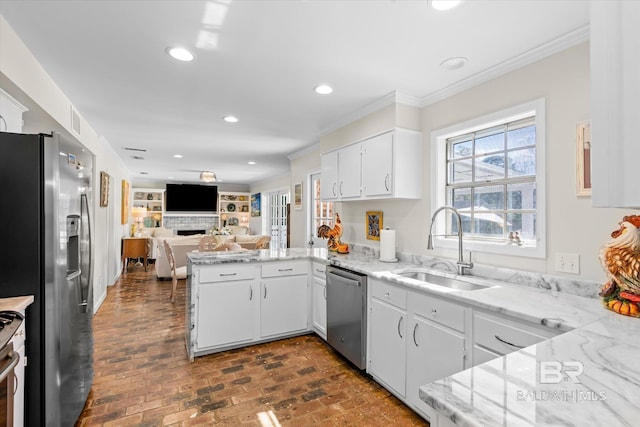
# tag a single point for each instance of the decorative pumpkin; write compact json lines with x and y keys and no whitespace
{"x":333,"y":235}
{"x":620,"y":258}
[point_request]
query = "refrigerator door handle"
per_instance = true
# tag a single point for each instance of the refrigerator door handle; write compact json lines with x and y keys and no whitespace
{"x":85,"y":251}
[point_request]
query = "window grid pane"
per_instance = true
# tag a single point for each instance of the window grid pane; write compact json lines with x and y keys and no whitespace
{"x":491,"y":180}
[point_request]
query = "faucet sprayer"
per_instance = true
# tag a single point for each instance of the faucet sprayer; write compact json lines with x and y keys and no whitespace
{"x":462,"y":265}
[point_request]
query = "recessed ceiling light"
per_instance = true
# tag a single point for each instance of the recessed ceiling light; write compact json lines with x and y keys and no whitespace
{"x":251,"y":163}
{"x":177,"y":156}
{"x":454,"y":63}
{"x":144,"y":173}
{"x":444,"y":4}
{"x":170,"y":177}
{"x":230,"y":119}
{"x":180,"y":53}
{"x":323,"y":89}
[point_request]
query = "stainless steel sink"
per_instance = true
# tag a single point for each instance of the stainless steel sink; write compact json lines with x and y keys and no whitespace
{"x":434,"y":279}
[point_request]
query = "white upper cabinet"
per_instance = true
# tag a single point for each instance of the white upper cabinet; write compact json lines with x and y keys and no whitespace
{"x":384,"y":166}
{"x":329,"y":176}
{"x":615,"y":91}
{"x":349,"y":171}
{"x":391,"y":165}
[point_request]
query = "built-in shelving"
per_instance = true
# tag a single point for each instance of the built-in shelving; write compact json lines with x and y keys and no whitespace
{"x":234,"y":208}
{"x":152,"y":200}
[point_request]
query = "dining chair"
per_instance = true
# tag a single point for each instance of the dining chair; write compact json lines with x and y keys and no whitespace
{"x":208,"y":244}
{"x":176,"y":273}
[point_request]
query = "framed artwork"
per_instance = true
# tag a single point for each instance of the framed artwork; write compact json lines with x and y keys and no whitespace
{"x":583,"y":159}
{"x":255,"y":204}
{"x":373,"y":224}
{"x":104,"y":189}
{"x":297,"y":196}
{"x":124,"y":211}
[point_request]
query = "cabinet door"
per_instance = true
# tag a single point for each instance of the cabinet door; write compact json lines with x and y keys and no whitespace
{"x":283,"y":305}
{"x":433,"y":352}
{"x":320,"y":306}
{"x":615,"y":89}
{"x":349,"y":171}
{"x":377,"y":164}
{"x":329,"y":176}
{"x":387,"y":345}
{"x":226,"y":313}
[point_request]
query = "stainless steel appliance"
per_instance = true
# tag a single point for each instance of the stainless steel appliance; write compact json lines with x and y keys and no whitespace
{"x":347,"y":313}
{"x":45,"y":185}
{"x":9,"y":323}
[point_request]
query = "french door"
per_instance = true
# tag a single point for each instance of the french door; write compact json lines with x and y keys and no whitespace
{"x":278,"y":201}
{"x":320,"y":212}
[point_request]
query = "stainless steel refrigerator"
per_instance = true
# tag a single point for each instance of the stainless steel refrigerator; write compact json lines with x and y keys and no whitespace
{"x":45,"y":186}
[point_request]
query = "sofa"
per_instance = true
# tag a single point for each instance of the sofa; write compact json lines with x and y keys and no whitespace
{"x":183,"y":244}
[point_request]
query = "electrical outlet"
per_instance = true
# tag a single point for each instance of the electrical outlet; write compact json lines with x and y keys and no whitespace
{"x":568,"y":263}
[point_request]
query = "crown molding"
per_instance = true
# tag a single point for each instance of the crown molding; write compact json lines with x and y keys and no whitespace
{"x":304,"y":151}
{"x":559,"y":44}
{"x":393,"y":97}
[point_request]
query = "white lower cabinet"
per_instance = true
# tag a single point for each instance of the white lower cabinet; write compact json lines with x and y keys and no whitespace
{"x":320,"y":306}
{"x":283,"y":305}
{"x":387,"y":345}
{"x":494,"y":336}
{"x":233,"y":305}
{"x":414,"y":339}
{"x":226,"y":313}
{"x":18,"y":342}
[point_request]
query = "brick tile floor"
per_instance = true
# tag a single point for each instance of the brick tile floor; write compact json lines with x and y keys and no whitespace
{"x":143,"y":376}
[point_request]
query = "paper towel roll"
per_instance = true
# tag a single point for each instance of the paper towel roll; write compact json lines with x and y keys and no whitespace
{"x":388,"y":245}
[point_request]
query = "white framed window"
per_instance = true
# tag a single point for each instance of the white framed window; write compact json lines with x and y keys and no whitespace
{"x":320,"y":212}
{"x":491,"y":169}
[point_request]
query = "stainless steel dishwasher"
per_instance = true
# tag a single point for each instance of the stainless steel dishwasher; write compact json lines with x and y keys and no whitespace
{"x":347,"y":313}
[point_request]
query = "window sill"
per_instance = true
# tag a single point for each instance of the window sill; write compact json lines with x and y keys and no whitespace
{"x":498,"y":248}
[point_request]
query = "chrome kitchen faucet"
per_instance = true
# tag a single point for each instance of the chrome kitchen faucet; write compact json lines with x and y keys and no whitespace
{"x":462,"y":265}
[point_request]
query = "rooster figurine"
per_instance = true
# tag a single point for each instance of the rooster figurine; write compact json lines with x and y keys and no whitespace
{"x":333,"y":234}
{"x":620,"y":258}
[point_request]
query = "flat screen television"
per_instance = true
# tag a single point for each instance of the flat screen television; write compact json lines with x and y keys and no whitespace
{"x":191,"y":198}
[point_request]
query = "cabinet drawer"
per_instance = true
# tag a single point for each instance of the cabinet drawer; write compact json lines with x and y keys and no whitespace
{"x":278,"y":269}
{"x":504,"y":336}
{"x":227,"y":273}
{"x":389,"y":293}
{"x":440,"y":311}
{"x":319,"y":269}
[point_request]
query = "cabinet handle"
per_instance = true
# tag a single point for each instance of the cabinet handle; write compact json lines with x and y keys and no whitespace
{"x":386,"y":182}
{"x":508,"y":343}
{"x":325,"y":292}
{"x":250,"y":293}
{"x":227,"y":274}
{"x":265,"y":292}
{"x":333,"y":189}
{"x":320,"y":271}
{"x":341,"y":182}
{"x":399,"y":322}
{"x":16,"y":383}
{"x":414,"y":335}
{"x":285,"y":269}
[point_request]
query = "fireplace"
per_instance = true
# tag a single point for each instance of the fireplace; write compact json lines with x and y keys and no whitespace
{"x":190,"y":232}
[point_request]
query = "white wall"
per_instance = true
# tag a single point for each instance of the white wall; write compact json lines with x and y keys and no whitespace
{"x":24,"y":78}
{"x":302,"y":165}
{"x":573,"y":226}
{"x":257,"y":224}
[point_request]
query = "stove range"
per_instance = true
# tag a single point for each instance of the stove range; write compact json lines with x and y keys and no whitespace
{"x":10,"y":321}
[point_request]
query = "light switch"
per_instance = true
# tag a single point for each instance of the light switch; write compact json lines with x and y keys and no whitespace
{"x":568,"y":263}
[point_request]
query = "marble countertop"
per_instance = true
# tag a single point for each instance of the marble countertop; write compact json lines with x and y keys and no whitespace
{"x":508,"y":390}
{"x":16,"y":303}
{"x":589,"y":376}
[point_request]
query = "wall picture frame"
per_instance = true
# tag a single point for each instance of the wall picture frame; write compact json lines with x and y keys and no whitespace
{"x":104,"y":189}
{"x":124,"y":209}
{"x":255,"y":204}
{"x":583,"y":159}
{"x":297,"y":196}
{"x":373,"y":224}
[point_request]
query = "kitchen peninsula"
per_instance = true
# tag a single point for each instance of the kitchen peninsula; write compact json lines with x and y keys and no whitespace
{"x":558,"y":330}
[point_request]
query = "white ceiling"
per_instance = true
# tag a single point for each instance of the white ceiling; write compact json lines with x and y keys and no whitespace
{"x":109,"y":58}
